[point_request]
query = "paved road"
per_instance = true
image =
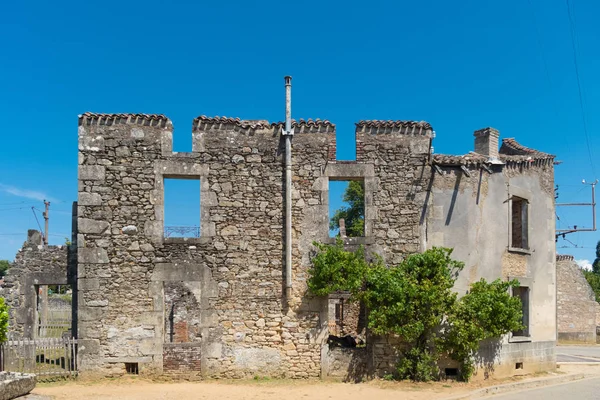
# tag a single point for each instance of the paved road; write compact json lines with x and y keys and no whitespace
{"x":578,"y":354}
{"x":587,"y":389}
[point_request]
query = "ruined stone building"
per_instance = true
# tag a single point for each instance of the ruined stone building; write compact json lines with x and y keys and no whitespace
{"x":577,"y":311}
{"x":216,"y":305}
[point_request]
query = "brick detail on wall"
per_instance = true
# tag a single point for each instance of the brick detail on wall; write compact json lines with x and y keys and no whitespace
{"x":182,"y":360}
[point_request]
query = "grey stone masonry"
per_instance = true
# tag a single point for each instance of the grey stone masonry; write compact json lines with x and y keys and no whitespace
{"x":34,"y":265}
{"x":576,"y":303}
{"x":218,"y":298}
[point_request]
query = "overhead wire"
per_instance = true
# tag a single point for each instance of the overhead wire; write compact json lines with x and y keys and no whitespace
{"x":36,"y":219}
{"x":545,"y":63}
{"x":579,"y":90}
{"x":14,"y":208}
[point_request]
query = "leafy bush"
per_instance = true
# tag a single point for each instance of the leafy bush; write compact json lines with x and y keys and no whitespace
{"x":487,"y":311}
{"x":335,"y":269}
{"x":415,"y":301}
{"x":3,"y":320}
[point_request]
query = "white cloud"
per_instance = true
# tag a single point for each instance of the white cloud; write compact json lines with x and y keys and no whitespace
{"x":28,"y":194}
{"x":585,"y":264}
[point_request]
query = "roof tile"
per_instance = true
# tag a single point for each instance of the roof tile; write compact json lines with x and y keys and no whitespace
{"x":89,"y":118}
{"x":404,"y":127}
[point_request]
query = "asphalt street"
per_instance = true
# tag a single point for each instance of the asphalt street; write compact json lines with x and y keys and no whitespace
{"x":578,"y":354}
{"x":586,"y":389}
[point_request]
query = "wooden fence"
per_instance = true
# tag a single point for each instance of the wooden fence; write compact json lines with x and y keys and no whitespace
{"x":46,"y":357}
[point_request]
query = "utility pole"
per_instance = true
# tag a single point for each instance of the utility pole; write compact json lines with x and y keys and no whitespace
{"x":563,"y":232}
{"x":46,"y":218}
{"x":288,"y":133}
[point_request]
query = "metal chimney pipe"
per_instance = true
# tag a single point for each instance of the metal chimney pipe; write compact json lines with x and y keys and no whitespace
{"x":288,"y":186}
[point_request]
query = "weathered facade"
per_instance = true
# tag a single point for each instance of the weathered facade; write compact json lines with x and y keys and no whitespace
{"x":33,"y":268}
{"x":216,"y":305}
{"x":496,"y":210}
{"x":576,"y":306}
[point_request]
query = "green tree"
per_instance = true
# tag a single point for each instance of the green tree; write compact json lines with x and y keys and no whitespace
{"x":354,"y":213}
{"x":410,"y":300}
{"x":415,"y":302}
{"x":3,"y":320}
{"x":596,"y":263}
{"x":594,"y":281}
{"x":335,"y":269}
{"x":4,"y":266}
{"x":593,"y":276}
{"x":487,"y":311}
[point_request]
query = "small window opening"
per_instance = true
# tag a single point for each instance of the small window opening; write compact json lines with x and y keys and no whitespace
{"x":522,"y":292}
{"x":339,"y":313}
{"x":519,"y":365}
{"x":132,"y":368}
{"x":182,"y":207}
{"x":346,"y":208}
{"x":54,"y":311}
{"x":519,"y":222}
{"x":451,"y":372}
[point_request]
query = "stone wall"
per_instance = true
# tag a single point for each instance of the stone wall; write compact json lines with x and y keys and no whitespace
{"x":34,"y":265}
{"x":133,"y":280}
{"x":576,"y":304}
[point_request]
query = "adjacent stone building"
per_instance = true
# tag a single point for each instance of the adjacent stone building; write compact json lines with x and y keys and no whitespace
{"x":25,"y":285}
{"x":496,"y":210}
{"x":577,"y":308}
{"x":216,"y":305}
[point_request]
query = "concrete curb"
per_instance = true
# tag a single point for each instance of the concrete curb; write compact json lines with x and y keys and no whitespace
{"x":590,"y":363}
{"x":509,"y":387}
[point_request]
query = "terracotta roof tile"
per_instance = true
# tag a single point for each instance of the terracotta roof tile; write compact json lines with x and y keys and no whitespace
{"x":510,"y":147}
{"x":467,"y":159}
{"x":300,"y":126}
{"x":240,"y":123}
{"x":89,"y":118}
{"x":403,"y":127}
{"x":564,"y":257}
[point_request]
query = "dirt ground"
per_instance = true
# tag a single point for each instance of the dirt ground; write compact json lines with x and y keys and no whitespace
{"x":135,"y":388}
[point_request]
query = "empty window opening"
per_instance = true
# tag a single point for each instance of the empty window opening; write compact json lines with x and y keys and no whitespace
{"x":182,"y":207}
{"x":339,"y":313}
{"x":451,"y":372}
{"x":54,"y":310}
{"x":346,"y":322}
{"x":522,"y":292}
{"x":132,"y":368}
{"x":519,"y":365}
{"x":519,"y":223}
{"x":346,"y":208}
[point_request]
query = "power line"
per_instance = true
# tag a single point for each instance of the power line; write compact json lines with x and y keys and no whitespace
{"x":585,"y":129}
{"x":36,"y":219}
{"x":544,"y":61}
{"x":13,"y":208}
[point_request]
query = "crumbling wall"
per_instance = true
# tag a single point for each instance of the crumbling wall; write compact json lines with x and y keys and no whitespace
{"x":394,"y":198}
{"x":241,"y":322}
{"x":34,"y":265}
{"x":576,"y":303}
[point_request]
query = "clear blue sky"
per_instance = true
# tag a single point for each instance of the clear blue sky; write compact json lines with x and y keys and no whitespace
{"x":458,"y":65}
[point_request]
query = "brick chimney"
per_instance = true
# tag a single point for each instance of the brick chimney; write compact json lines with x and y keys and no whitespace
{"x":486,"y":142}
